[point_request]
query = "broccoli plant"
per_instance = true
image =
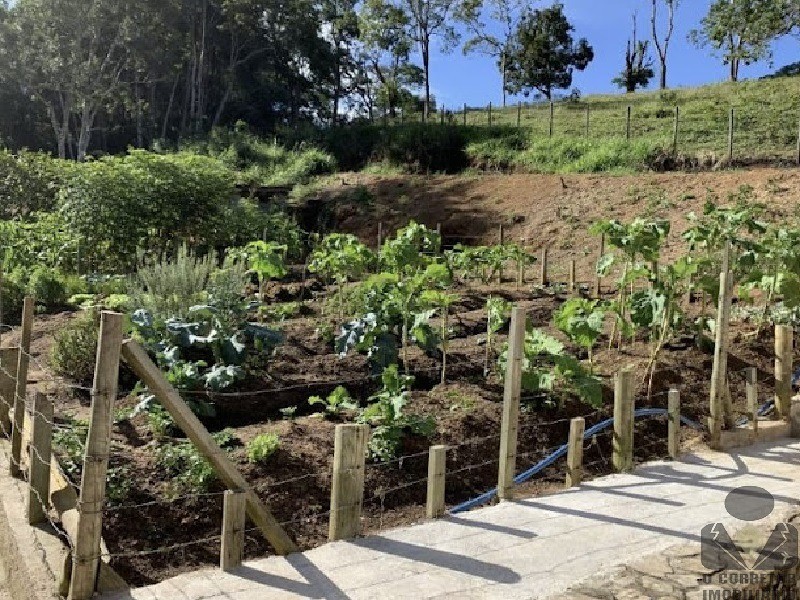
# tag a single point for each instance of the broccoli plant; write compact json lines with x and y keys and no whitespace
{"x":387,"y":416}
{"x":441,"y":301}
{"x":266,"y":260}
{"x":411,"y":251}
{"x":547,"y":367}
{"x":581,"y":320}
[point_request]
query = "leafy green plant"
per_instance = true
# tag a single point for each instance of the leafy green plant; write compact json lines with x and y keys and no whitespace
{"x":262,"y":447}
{"x":497,"y":312}
{"x":441,"y":302}
{"x":340,"y":258}
{"x":581,"y":320}
{"x":189,"y":470}
{"x":266,"y":260}
{"x":386,"y":415}
{"x":338,"y":402}
{"x":547,"y":367}
{"x":74,"y":349}
{"x":288,"y":412}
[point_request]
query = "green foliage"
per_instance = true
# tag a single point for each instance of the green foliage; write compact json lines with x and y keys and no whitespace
{"x":261,"y":447}
{"x":189,"y":470}
{"x":338,"y":402}
{"x":411,"y":250}
{"x":29,"y":182}
{"x":74,"y":348}
{"x":47,"y":286}
{"x":386,"y":415}
{"x":581,"y":320}
{"x":144,"y":200}
{"x":546,"y":367}
{"x":266,"y":260}
{"x":341,"y":257}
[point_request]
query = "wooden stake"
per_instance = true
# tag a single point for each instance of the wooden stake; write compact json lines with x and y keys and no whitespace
{"x":577,"y":426}
{"x":731,"y":122}
{"x":519,"y":114}
{"x":9,"y":362}
{"x":86,"y":550}
{"x":674,"y":423}
{"x":783,"y":370}
{"x":797,"y":155}
{"x":234,"y":512}
{"x":675,"y":131}
{"x":465,"y":114}
{"x":511,"y":400}
{"x":380,"y":236}
{"x":490,"y":114}
{"x":623,"y":421}
{"x":437,"y":460}
{"x":501,"y":240}
{"x":751,"y":392}
{"x":18,"y":411}
{"x":552,"y":116}
{"x":719,"y":375}
{"x":628,"y":123}
{"x":598,"y":282}
{"x":543,"y":274}
{"x":347,"y":489}
{"x":39,"y":462}
{"x":587,"y":121}
{"x":185,"y":419}
{"x":573,"y":284}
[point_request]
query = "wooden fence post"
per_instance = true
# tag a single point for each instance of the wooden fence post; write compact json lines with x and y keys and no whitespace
{"x":628,"y":123}
{"x":9,"y":362}
{"x":587,"y":121}
{"x":623,"y":421}
{"x":511,"y":399}
{"x":86,"y":550}
{"x":501,"y":235}
{"x":573,"y":283}
{"x":18,"y":411}
{"x":465,"y":114}
{"x":39,"y":461}
{"x":577,"y":426}
{"x":380,"y":236}
{"x":234,"y":511}
{"x":543,"y":274}
{"x":797,"y":153}
{"x":783,"y":370}
{"x":347,"y":488}
{"x":519,"y":114}
{"x":731,"y":117}
{"x":437,"y":460}
{"x":675,"y":131}
{"x":490,"y":114}
{"x":719,"y":375}
{"x":552,"y":116}
{"x":598,"y":282}
{"x":674,"y":423}
{"x":751,"y":392}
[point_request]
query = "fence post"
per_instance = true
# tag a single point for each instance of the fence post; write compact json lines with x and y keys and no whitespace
{"x":380,"y":236}
{"x":39,"y":461}
{"x":465,"y":114}
{"x":730,"y":135}
{"x":437,"y":459}
{"x":598,"y":282}
{"x":797,"y":155}
{"x":18,"y":411}
{"x":521,"y":265}
{"x":751,"y":392}
{"x":543,"y":273}
{"x":587,"y":121}
{"x":577,"y":426}
{"x":552,"y":110}
{"x":86,"y":550}
{"x":347,"y":489}
{"x":628,"y":123}
{"x":490,"y":114}
{"x":674,"y":423}
{"x":9,"y":362}
{"x":501,"y":236}
{"x":511,"y":399}
{"x":675,"y":131}
{"x":719,"y":374}
{"x":519,"y":114}
{"x":623,"y":421}
{"x":234,"y":511}
{"x":573,"y":284}
{"x":783,"y":370}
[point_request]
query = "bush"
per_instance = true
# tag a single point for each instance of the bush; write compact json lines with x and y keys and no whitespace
{"x":48,"y":287}
{"x":13,"y":294}
{"x":75,"y":348}
{"x":262,"y":447}
{"x":29,"y":182}
{"x":246,"y":221}
{"x":118,"y":204}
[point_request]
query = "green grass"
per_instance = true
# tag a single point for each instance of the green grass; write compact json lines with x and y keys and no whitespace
{"x":767,"y":113}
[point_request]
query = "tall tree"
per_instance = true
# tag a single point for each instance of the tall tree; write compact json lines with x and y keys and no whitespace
{"x":341,"y":33}
{"x":505,"y":14}
{"x":638,"y":69}
{"x":662,"y":42}
{"x":545,"y":55}
{"x":740,"y":31}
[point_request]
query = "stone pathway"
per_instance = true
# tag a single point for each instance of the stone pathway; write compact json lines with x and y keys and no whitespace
{"x":552,"y":547}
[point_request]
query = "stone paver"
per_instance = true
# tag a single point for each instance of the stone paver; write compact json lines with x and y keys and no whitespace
{"x":525,"y":549}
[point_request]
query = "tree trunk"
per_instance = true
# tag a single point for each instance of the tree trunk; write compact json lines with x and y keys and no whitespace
{"x":165,"y":123}
{"x":734,"y":69}
{"x":663,"y":82}
{"x":85,"y":134}
{"x":426,"y":68}
{"x":222,"y":103}
{"x":503,"y":75}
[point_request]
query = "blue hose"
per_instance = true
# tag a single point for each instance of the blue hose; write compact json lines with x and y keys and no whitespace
{"x":561,"y":452}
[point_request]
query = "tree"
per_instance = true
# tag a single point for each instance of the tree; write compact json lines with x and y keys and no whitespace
{"x":544,"y":54}
{"x":638,"y":65}
{"x":662,"y":44}
{"x":342,"y":20}
{"x":507,"y":14}
{"x":740,"y":31}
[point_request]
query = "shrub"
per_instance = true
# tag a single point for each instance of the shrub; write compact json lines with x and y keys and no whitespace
{"x":13,"y":294}
{"x":262,"y":447}
{"x":144,"y":200}
{"x":29,"y":182}
{"x":48,"y":287}
{"x":75,"y":348}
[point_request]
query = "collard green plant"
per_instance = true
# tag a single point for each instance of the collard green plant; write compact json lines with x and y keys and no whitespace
{"x":262,"y":447}
{"x":497,"y":312}
{"x":266,"y":260}
{"x":338,"y":402}
{"x":581,"y":320}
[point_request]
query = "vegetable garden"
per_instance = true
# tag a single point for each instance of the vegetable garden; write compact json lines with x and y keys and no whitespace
{"x":274,"y":340}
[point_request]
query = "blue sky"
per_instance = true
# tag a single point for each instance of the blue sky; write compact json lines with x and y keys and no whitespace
{"x":474,"y":79}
